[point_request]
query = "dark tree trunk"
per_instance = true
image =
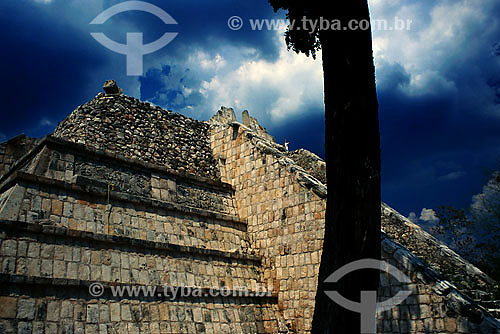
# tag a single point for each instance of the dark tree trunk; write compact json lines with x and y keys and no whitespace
{"x":352,"y":228}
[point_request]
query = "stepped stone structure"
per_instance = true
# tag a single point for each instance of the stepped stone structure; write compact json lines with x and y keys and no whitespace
{"x":126,"y":194}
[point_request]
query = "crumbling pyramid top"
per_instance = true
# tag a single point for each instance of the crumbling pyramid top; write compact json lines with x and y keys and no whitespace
{"x":139,"y":130}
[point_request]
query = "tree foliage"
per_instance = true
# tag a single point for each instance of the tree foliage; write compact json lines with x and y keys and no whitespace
{"x":474,"y":232}
{"x":454,"y":228}
{"x":301,"y":40}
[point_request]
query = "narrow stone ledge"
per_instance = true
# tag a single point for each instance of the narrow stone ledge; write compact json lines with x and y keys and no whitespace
{"x":97,"y":188}
{"x":139,"y":165}
{"x":159,"y":290}
{"x":107,"y":239}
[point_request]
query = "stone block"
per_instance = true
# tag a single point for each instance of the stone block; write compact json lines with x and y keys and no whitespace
{"x":8,"y":248}
{"x":450,"y":325}
{"x":8,"y":307}
{"x":67,"y":309}
{"x":46,"y":269}
{"x":36,"y":204}
{"x":24,"y":328}
{"x":68,"y":210}
{"x":33,"y":266}
{"x":92,"y":313}
{"x":53,"y":308}
{"x":104,"y":314}
{"x":115,"y":312}
{"x":47,"y":251}
{"x":46,"y":205}
{"x":126,"y":315}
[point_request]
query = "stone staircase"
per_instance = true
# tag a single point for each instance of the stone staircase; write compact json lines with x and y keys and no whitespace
{"x":77,"y":222}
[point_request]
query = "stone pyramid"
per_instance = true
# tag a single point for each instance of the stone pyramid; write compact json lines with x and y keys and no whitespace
{"x":216,"y":227}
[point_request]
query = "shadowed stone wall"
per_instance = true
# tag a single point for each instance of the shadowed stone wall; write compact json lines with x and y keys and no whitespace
{"x":285,"y":219}
{"x":284,"y":207}
{"x":435,"y":305}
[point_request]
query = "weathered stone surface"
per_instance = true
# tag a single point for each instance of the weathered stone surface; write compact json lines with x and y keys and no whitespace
{"x":111,"y":87}
{"x":121,"y":179}
{"x":284,"y":206}
{"x":460,"y":272}
{"x":13,"y":149}
{"x":139,"y":130}
{"x":223,"y":116}
{"x":8,"y":307}
{"x":129,"y":195}
{"x":11,"y":202}
{"x":26,"y":309}
{"x":310,"y":162}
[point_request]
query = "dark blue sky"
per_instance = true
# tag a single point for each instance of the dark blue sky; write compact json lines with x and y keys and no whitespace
{"x":438,"y":82}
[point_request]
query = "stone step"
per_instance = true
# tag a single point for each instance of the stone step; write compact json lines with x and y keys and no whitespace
{"x":495,"y":312}
{"x":37,"y":199}
{"x":491,"y":304}
{"x":61,"y":236}
{"x":35,"y":250}
{"x":113,"y":290}
{"x":29,"y":311}
{"x":81,"y":184}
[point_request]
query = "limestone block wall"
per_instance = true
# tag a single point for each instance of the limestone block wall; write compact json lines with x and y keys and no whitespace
{"x":61,"y":207}
{"x":45,"y":272}
{"x":61,"y":160}
{"x":129,"y":194}
{"x":71,"y":217}
{"x":87,"y":258}
{"x":66,"y":311}
{"x":284,"y":208}
{"x":285,"y":219}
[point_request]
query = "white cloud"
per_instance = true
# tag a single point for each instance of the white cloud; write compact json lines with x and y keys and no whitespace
{"x":274,"y":90}
{"x":428,"y":215}
{"x":486,"y":205}
{"x":214,"y":63}
{"x":271,"y":90}
{"x":46,"y":122}
{"x":451,"y":176}
{"x":444,"y":34}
